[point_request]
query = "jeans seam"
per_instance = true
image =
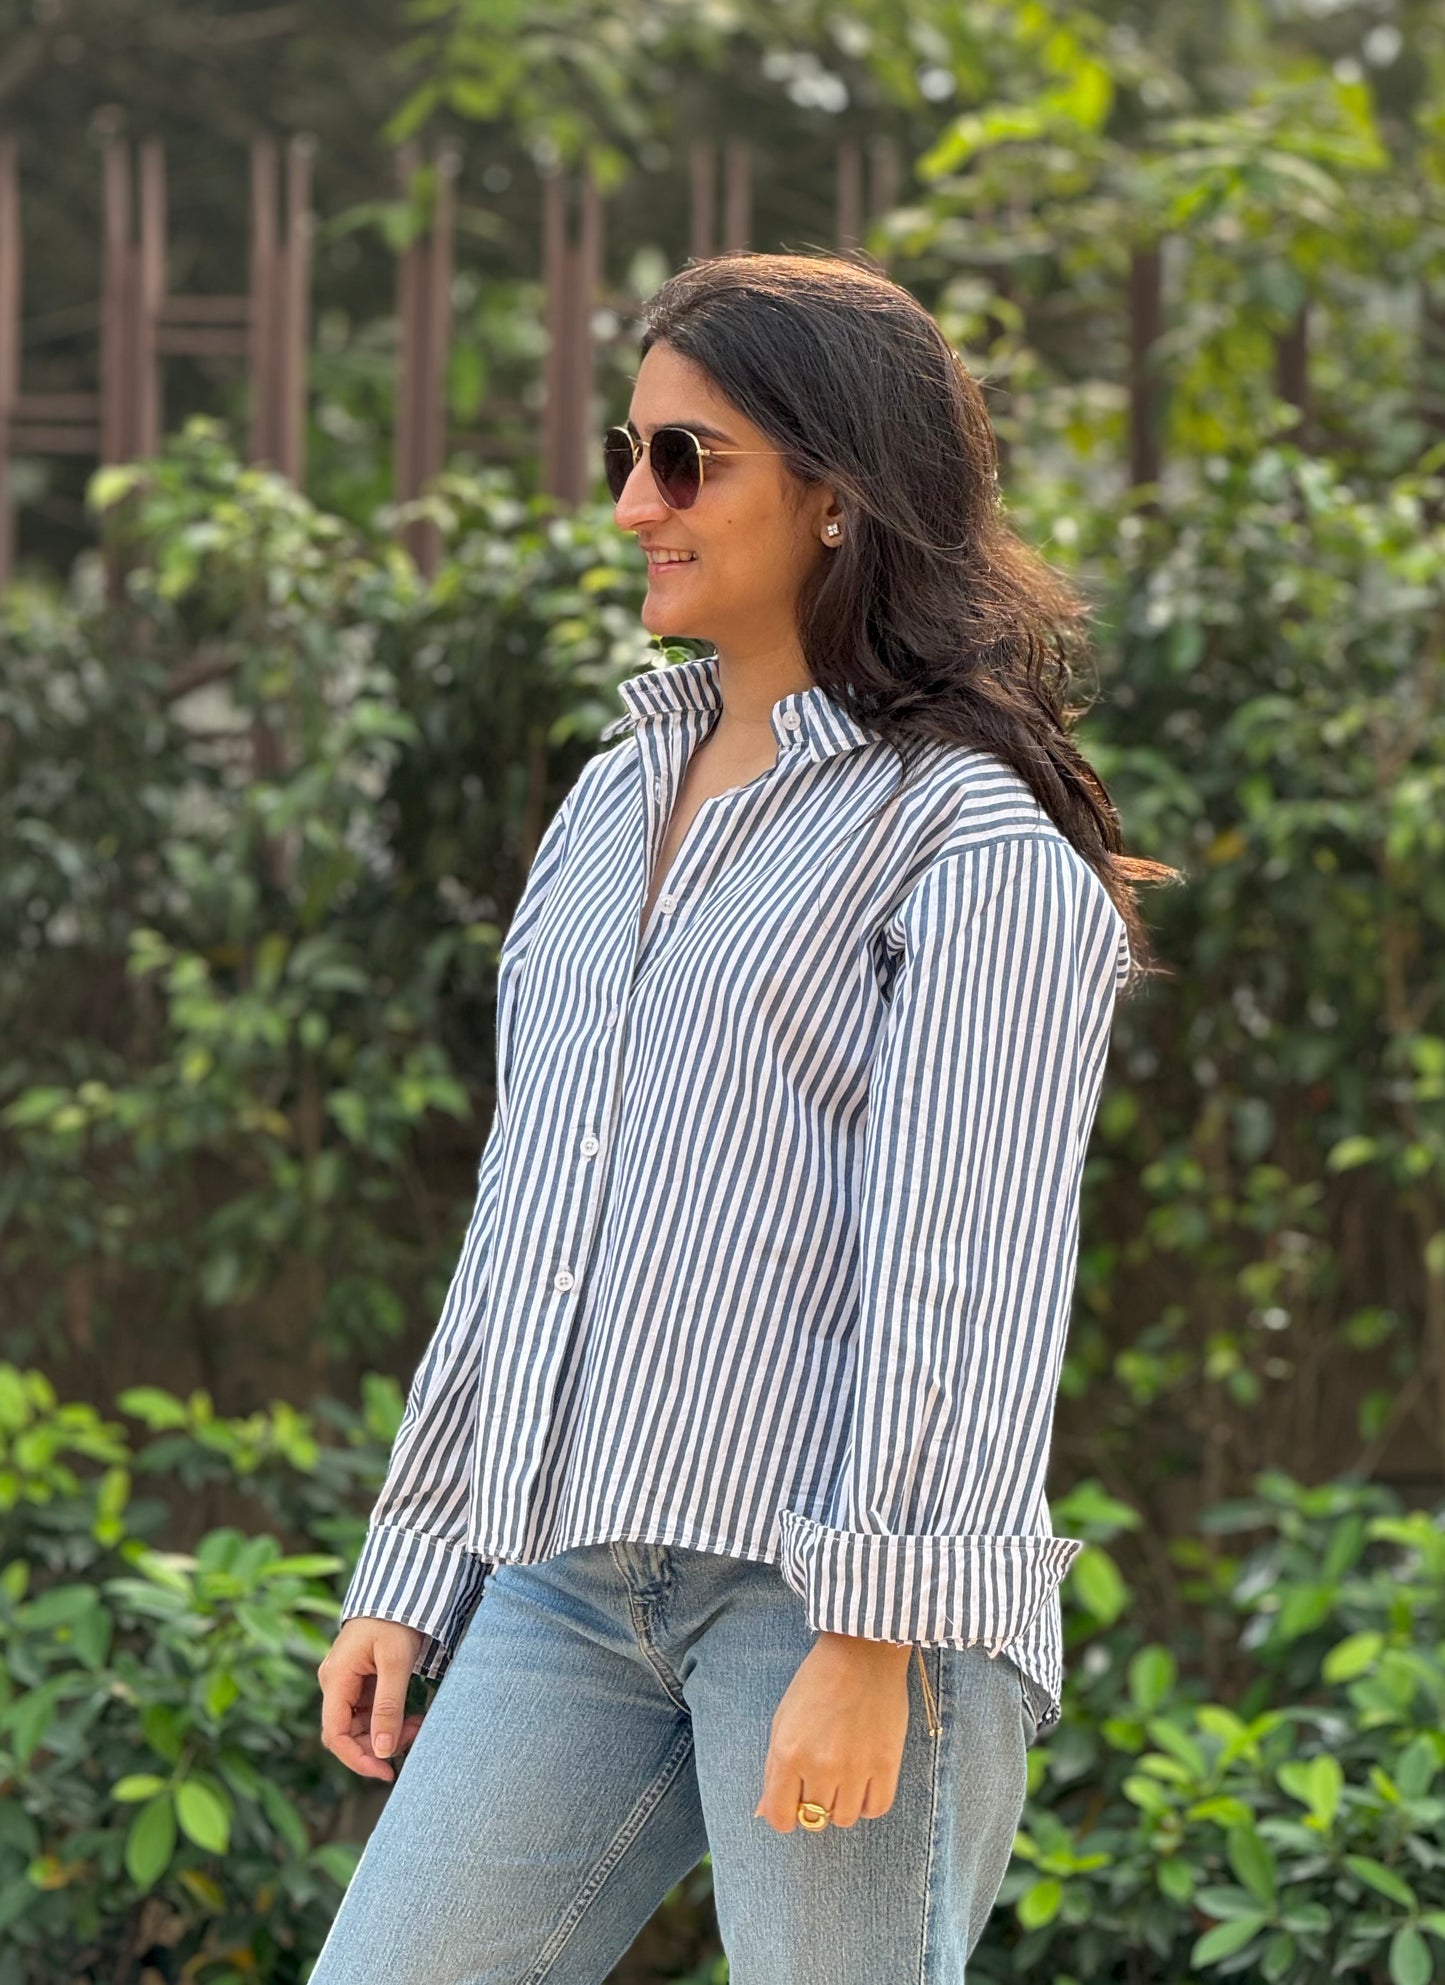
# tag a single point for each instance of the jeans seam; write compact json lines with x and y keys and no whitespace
{"x":935,"y":1751}
{"x":639,"y":1634}
{"x":624,"y":1838}
{"x":1026,"y":1701}
{"x":639,"y":1628}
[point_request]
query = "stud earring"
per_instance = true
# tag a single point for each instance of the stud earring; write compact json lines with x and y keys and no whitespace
{"x":833,"y":530}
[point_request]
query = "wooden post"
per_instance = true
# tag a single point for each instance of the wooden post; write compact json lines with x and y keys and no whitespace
{"x":117,"y":329}
{"x":141,"y":325}
{"x":10,"y":320}
{"x":30,"y":423}
{"x":148,"y":298}
{"x":264,"y":283}
{"x":571,"y":273}
{"x":849,"y":195}
{"x":405,"y":479}
{"x":587,"y":282}
{"x":737,"y":195}
{"x":439,"y":316}
{"x":705,"y":236}
{"x":276,"y":312}
{"x":702,"y":186}
{"x":885,"y":178}
{"x":424,"y":278}
{"x":295,"y":313}
{"x":1146,"y":328}
{"x":556,"y":269}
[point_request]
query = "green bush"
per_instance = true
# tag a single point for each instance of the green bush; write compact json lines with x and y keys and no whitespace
{"x":267,"y":822}
{"x":162,"y":1782}
{"x":163,"y":1787}
{"x":1281,"y":1827}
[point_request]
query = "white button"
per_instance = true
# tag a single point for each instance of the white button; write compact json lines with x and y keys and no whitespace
{"x":564,"y":1280}
{"x":590,"y":1146}
{"x":657,"y":789}
{"x":667,"y":903}
{"x":612,"y":1018}
{"x":791,"y":719}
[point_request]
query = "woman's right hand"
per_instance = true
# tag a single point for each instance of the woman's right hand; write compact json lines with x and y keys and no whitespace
{"x":363,"y":1694}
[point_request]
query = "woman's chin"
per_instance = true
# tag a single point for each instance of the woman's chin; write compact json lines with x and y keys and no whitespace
{"x":665,"y":623}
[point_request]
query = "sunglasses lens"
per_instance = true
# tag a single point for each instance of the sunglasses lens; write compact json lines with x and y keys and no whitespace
{"x":618,"y":459}
{"x":676,"y":466}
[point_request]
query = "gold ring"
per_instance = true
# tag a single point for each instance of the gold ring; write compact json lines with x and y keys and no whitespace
{"x":813,"y":1816}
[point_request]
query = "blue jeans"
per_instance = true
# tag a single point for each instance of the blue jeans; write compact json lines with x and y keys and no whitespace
{"x":604,"y":1724}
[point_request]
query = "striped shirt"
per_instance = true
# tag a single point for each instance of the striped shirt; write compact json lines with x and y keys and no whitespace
{"x":776,"y":1225}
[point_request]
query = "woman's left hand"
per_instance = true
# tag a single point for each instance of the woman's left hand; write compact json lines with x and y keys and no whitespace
{"x":838,"y":1733}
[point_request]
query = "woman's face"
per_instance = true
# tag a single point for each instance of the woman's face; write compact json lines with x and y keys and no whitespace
{"x":750,"y":539}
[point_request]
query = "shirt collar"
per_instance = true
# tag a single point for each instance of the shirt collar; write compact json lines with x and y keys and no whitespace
{"x":806,"y":719}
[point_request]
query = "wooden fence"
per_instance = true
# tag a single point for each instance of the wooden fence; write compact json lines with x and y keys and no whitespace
{"x":265,"y":330}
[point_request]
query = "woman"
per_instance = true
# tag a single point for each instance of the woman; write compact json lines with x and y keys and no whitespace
{"x":743,"y":1390}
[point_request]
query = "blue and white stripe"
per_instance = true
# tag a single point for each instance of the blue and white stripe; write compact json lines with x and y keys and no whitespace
{"x":777,"y":1222}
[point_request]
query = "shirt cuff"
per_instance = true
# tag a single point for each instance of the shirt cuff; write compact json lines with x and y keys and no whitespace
{"x":430,"y":1583}
{"x":953,"y":1591}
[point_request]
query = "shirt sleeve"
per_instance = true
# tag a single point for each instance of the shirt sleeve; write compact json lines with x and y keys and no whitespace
{"x":414,"y":1565}
{"x":982,"y":1094}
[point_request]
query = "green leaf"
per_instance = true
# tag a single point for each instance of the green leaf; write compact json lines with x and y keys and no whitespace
{"x":1382,"y":1879}
{"x":1227,"y":1938}
{"x":15,"y":1407}
{"x":1224,"y":1810}
{"x":109,"y":485}
{"x":221,"y":1691}
{"x":285,"y":1818}
{"x":1352,"y":1656}
{"x":151,"y":1842}
{"x":1098,"y":1584}
{"x":157,"y":1408}
{"x":1409,"y":1957}
{"x":1319,"y":1784}
{"x":161,"y":1724}
{"x":1146,"y":1793}
{"x":338,"y":1858}
{"x":1415,"y":1767}
{"x":91,"y":1637}
{"x":62,"y":1606}
{"x":137,"y":1785}
{"x":1151,"y":1675}
{"x":203,"y":1817}
{"x":1252,"y":1862}
{"x":15,"y":1898}
{"x":1227,"y":1903}
{"x":1306,"y":1919}
{"x":239,"y":1773}
{"x":1180,"y":1745}
{"x":1279,"y":1955}
{"x":1040,"y":1903}
{"x":30,"y":1717}
{"x":1176,"y":1879}
{"x":309,"y":1564}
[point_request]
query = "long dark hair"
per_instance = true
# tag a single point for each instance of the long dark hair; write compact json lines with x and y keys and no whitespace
{"x":933,"y":620}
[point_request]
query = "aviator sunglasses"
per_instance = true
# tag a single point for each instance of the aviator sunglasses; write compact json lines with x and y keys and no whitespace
{"x":675,"y":456}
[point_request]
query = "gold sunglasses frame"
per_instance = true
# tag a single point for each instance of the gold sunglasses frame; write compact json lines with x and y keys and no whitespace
{"x":641,"y":448}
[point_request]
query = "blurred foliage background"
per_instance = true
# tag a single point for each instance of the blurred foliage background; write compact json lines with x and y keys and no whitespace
{"x":266,"y":814}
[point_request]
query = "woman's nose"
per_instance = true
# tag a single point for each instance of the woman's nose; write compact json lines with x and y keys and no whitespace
{"x":639,"y":502}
